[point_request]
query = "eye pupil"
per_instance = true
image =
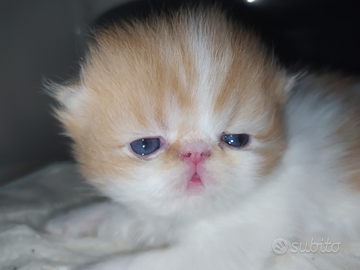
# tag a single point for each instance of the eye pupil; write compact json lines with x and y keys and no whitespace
{"x":145,"y":146}
{"x":236,"y":140}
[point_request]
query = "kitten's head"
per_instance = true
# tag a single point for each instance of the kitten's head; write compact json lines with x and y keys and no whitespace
{"x":177,"y":113}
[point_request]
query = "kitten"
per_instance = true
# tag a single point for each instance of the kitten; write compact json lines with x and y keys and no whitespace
{"x":210,"y":151}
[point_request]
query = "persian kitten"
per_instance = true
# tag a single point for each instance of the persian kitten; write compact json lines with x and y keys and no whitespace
{"x":210,"y":151}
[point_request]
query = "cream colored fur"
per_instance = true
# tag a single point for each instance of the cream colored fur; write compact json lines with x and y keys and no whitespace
{"x":188,"y":78}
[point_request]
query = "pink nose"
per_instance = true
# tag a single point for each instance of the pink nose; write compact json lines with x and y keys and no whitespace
{"x":195,"y":152}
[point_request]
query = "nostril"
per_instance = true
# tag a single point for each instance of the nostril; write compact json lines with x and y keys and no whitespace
{"x":187,"y":155}
{"x":205,"y":154}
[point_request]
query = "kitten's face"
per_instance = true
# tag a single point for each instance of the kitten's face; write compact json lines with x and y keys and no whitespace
{"x":176,"y":117}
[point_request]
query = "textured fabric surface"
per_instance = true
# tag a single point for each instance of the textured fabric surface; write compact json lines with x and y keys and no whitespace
{"x":32,"y":199}
{"x":26,"y":204}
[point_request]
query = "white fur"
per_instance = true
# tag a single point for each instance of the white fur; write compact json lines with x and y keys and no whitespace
{"x":303,"y":198}
{"x":234,"y":222}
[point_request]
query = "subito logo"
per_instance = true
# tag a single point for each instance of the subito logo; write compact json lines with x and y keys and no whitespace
{"x":280,"y":246}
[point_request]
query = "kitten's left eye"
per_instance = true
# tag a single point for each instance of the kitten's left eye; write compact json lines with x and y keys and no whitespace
{"x":145,"y":146}
{"x":236,"y":140}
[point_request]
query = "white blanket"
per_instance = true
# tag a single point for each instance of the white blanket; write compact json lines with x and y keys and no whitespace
{"x":27,"y":203}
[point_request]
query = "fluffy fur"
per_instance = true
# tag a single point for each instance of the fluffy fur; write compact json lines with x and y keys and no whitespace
{"x":188,"y":78}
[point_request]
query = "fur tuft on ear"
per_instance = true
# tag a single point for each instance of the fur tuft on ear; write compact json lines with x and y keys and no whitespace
{"x":70,"y":110}
{"x":66,"y":94}
{"x":292,"y":79}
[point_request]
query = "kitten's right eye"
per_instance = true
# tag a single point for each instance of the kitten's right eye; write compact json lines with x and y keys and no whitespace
{"x":236,"y":140}
{"x":146,"y":146}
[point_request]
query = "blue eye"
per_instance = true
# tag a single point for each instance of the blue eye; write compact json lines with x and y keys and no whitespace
{"x":146,"y":146}
{"x":236,"y":140}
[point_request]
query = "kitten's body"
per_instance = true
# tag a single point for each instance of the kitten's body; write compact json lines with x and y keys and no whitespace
{"x":188,"y":79}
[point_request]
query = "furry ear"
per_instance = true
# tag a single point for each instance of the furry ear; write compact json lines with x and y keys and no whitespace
{"x":71,"y":111}
{"x":67,"y":95}
{"x":292,"y":79}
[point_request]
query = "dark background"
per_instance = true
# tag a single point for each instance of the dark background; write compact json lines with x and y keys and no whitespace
{"x":42,"y":39}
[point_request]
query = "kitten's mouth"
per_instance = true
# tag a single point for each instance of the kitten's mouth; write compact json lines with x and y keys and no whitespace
{"x":195,"y":182}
